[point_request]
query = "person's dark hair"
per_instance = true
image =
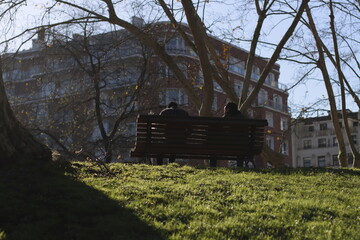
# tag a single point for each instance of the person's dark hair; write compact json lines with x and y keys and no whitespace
{"x":231,"y":107}
{"x":172,"y":105}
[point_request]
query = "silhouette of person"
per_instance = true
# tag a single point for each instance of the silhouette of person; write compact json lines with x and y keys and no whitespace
{"x":231,"y":111}
{"x":172,"y":109}
{"x":173,"y":136}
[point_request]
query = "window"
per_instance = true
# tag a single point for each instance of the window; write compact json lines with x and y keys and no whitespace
{"x":321,"y":161}
{"x":321,"y":142}
{"x":173,"y":95}
{"x":238,"y":88}
{"x":48,"y":89}
{"x":63,"y":87}
{"x":335,"y":160}
{"x":64,"y":116}
{"x":270,"y":118}
{"x":307,"y":144}
{"x":237,"y":66}
{"x":66,"y":140}
{"x":354,"y":138}
{"x":166,"y":72}
{"x":307,"y":161}
{"x":285,"y":148}
{"x":262,"y":97}
{"x":284,"y":124}
{"x":41,"y":112}
{"x":355,"y":124}
{"x":270,"y":79}
{"x":184,"y":69}
{"x":277,"y":102}
{"x":199,"y":81}
{"x":323,"y":126}
{"x":270,"y":142}
{"x":175,"y":44}
{"x":21,"y":88}
{"x":129,"y":103}
{"x":250,"y":113}
{"x":311,"y":128}
{"x":335,"y":142}
{"x":96,"y":134}
{"x":255,"y":73}
{"x":217,"y":87}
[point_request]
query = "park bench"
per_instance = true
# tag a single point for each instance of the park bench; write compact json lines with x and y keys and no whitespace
{"x":209,"y":138}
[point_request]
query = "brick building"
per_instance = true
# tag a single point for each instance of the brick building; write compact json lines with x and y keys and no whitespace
{"x":47,"y":87}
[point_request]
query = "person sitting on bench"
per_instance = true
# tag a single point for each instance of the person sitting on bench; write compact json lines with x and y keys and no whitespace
{"x":173,"y":110}
{"x":231,"y":111}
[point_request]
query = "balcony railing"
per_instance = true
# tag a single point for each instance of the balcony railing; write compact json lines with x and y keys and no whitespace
{"x":189,"y":52}
{"x":321,"y":133}
{"x":274,"y":105}
{"x":277,"y":85}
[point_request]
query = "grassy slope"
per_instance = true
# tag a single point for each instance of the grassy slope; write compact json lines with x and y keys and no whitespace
{"x":173,"y":202}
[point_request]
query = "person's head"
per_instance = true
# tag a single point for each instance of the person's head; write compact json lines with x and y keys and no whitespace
{"x":230,"y":107}
{"x":172,"y":105}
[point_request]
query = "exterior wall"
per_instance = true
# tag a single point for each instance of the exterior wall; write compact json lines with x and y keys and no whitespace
{"x":43,"y":77}
{"x":315,"y":145}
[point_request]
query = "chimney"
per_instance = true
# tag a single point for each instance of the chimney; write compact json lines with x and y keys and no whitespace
{"x":40,"y":41}
{"x":41,"y":34}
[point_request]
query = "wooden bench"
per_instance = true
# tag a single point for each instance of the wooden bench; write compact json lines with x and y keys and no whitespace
{"x":210,"y":138}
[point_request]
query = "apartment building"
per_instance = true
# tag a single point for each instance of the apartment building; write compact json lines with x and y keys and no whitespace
{"x":315,"y":144}
{"x":49,"y":86}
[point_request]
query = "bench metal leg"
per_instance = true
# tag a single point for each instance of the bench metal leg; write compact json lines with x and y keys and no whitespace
{"x":212,"y":162}
{"x":240,"y":161}
{"x":159,"y":160}
{"x":172,"y":158}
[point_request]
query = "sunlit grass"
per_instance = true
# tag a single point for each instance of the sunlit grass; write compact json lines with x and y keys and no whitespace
{"x":190,"y":203}
{"x":43,"y":201}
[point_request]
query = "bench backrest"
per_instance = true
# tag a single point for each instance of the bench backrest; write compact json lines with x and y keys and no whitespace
{"x":190,"y":136}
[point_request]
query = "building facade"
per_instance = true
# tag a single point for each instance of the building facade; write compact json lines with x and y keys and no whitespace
{"x":315,"y":144}
{"x":54,"y":90}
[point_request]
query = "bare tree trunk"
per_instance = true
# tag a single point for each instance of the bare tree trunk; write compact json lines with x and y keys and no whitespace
{"x":334,"y":113}
{"x":198,"y":32}
{"x":16,"y":142}
{"x":355,"y":153}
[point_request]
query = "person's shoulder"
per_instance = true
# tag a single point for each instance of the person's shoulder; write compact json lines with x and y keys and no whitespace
{"x":182,"y":112}
{"x":165,"y":112}
{"x":185,"y":113}
{"x":237,"y":115}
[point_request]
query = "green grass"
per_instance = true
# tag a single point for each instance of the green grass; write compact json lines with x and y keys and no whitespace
{"x":175,"y":202}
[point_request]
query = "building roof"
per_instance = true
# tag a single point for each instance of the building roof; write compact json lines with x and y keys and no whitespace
{"x":351,"y":115}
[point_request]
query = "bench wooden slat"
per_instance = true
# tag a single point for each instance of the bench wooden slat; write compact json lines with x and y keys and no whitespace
{"x":198,"y":137}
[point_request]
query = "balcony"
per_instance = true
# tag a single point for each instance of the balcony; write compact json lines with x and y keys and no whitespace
{"x":176,"y":50}
{"x":180,"y":51}
{"x":321,"y":133}
{"x":273,"y":105}
{"x":277,"y":85}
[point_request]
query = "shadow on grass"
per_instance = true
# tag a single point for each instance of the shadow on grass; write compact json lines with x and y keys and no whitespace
{"x":38,"y":201}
